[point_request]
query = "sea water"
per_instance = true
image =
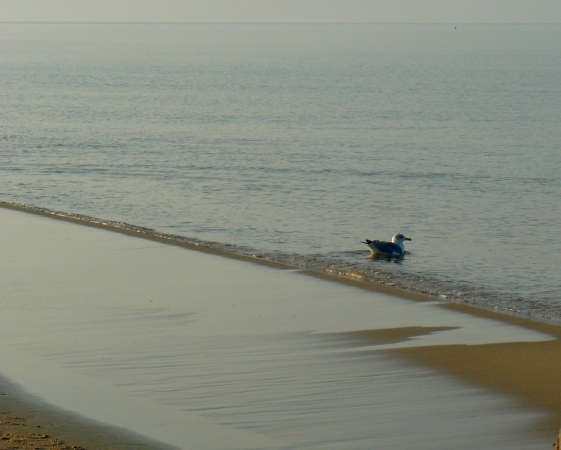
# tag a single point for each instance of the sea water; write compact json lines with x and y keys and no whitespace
{"x":294,"y":143}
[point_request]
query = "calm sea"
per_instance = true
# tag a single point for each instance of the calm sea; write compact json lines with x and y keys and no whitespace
{"x":297,"y":142}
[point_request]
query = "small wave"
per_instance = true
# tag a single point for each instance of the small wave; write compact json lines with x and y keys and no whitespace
{"x":349,"y":265}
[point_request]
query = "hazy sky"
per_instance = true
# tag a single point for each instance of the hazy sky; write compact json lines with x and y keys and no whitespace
{"x":395,"y":11}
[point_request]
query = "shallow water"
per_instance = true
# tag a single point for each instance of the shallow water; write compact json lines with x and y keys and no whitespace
{"x":296,"y":142}
{"x":201,"y":351}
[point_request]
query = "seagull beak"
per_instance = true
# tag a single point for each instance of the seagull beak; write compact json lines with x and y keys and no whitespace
{"x":407,"y":239}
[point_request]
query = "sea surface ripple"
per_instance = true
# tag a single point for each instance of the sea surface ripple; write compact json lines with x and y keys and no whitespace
{"x":294,"y":143}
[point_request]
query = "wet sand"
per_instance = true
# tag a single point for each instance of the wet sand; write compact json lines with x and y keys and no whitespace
{"x":529,"y":371}
{"x":511,"y":363}
{"x":28,"y":423}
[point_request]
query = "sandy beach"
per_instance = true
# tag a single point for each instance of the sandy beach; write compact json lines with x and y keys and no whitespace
{"x":111,"y":340}
{"x":28,"y":423}
{"x":528,"y":371}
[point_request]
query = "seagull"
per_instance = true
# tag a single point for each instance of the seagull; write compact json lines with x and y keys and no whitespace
{"x":393,"y":248}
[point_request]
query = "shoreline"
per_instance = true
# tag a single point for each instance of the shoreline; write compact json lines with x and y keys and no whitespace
{"x":180,"y":241}
{"x":27,"y":422}
{"x":506,"y":368}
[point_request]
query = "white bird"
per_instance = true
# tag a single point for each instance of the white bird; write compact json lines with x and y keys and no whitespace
{"x":393,"y":248}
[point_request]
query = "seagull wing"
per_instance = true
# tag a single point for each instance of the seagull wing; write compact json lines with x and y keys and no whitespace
{"x":388,"y":248}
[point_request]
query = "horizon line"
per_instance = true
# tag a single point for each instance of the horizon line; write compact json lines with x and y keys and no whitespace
{"x":266,"y":23}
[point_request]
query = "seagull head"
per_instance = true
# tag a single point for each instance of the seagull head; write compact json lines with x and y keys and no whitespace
{"x":399,"y":239}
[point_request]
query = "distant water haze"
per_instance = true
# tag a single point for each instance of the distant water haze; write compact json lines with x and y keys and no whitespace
{"x":296,"y":142}
{"x":285,"y":11}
